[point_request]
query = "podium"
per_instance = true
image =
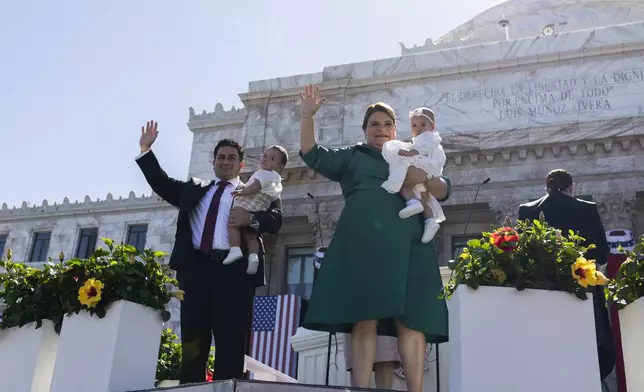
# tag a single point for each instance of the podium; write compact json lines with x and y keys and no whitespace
{"x":256,"y":386}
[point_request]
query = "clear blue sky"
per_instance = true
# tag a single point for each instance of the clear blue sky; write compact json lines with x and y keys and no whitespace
{"x":78,"y":78}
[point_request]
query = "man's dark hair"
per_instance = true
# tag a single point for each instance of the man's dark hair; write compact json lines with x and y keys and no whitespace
{"x":230,"y":143}
{"x":558,"y":180}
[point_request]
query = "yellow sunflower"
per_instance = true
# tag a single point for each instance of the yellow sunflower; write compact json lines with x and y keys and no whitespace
{"x":90,"y":293}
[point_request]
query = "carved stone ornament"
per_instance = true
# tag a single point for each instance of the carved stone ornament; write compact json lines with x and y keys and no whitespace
{"x":617,"y":210}
{"x":504,"y":209}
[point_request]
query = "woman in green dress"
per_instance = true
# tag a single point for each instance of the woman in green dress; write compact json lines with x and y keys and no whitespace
{"x":378,"y":278}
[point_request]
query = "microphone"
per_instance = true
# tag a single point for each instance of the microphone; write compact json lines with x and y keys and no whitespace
{"x":452,"y":264}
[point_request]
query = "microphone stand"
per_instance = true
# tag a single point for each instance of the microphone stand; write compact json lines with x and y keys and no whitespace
{"x":328,"y":351}
{"x":452,"y":266}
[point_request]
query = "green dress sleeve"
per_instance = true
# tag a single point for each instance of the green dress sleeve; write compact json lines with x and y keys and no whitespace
{"x":449,"y":188}
{"x":330,"y":163}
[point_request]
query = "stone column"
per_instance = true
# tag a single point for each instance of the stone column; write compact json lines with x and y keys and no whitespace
{"x":617,"y":210}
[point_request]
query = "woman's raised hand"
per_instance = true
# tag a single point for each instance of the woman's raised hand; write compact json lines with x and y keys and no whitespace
{"x":310,"y":101}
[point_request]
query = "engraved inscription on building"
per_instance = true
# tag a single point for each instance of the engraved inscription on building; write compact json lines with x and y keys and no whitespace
{"x":544,"y":97}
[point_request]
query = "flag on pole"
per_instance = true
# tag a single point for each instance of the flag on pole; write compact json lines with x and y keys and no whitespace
{"x":275,"y":320}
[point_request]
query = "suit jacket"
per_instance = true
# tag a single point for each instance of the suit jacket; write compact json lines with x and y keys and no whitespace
{"x":185,"y":195}
{"x":568,"y":213}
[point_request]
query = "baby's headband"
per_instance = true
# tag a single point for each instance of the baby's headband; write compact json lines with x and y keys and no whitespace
{"x":423,"y":112}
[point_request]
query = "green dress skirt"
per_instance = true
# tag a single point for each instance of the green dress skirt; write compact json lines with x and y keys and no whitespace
{"x":375,"y":268}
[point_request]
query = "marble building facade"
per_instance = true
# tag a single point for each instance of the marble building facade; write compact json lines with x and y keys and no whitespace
{"x":508,"y":109}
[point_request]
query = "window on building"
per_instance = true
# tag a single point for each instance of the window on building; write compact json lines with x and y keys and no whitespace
{"x":86,"y":243}
{"x":40,"y":247}
{"x":136,"y":236}
{"x":459,"y":243}
{"x":300,"y":271}
{"x":3,"y":244}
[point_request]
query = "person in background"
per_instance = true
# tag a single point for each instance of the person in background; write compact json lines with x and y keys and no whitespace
{"x":565,"y":212}
{"x":384,"y":365}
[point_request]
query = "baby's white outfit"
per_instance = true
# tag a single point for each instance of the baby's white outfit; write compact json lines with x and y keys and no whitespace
{"x":271,"y":182}
{"x":431,"y":159}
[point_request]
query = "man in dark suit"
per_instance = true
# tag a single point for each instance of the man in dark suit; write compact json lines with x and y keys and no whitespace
{"x":218,"y":299}
{"x":565,"y":212}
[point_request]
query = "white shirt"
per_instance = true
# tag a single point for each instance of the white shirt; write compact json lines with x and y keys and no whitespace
{"x":198,"y":214}
{"x":271,"y":182}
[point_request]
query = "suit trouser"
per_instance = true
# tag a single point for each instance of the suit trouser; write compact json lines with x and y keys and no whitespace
{"x":218,"y":302}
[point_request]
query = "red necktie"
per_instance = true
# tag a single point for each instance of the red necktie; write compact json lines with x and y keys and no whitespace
{"x":211,"y":218}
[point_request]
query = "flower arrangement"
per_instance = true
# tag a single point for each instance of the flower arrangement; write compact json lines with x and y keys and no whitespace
{"x":531,"y":255}
{"x":30,"y":294}
{"x":120,"y":272}
{"x":169,"y":362}
{"x":628,"y":285}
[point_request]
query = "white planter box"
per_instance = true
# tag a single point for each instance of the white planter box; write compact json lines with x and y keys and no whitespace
{"x":117,"y":353}
{"x":631,"y":324}
{"x":27,"y":357}
{"x":168,"y":383}
{"x":504,"y":340}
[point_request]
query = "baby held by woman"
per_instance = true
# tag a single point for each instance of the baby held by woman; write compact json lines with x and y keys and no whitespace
{"x":424,"y":152}
{"x":263,"y":187}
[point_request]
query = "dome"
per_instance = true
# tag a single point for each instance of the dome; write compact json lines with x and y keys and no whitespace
{"x":531,"y":18}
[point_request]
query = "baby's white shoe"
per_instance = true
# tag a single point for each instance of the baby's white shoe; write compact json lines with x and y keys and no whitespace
{"x":413,"y":207}
{"x":234,"y":255}
{"x":431,"y":227}
{"x":253,"y":264}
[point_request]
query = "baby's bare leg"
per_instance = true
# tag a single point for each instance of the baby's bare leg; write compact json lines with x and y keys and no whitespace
{"x":250,"y":238}
{"x":431,"y":226}
{"x":234,"y":239}
{"x":251,"y":241}
{"x":407,"y":193}
{"x":427,"y":211}
{"x":234,"y":234}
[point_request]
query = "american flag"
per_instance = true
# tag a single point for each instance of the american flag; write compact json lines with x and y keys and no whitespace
{"x":275,"y":320}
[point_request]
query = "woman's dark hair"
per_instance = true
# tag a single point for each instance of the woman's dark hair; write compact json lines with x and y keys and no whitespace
{"x":558,"y":180}
{"x":282,"y":150}
{"x":377,"y":107}
{"x":229,"y":143}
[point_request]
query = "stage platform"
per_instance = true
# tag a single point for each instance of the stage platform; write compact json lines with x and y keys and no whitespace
{"x":256,"y":386}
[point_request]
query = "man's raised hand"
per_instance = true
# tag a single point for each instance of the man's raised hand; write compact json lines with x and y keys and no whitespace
{"x":148,"y":135}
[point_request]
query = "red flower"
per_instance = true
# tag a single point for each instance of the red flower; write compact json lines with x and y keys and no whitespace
{"x":505,"y":238}
{"x":209,"y":375}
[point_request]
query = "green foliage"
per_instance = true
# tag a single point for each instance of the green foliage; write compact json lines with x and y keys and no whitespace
{"x":540,"y":257}
{"x":628,"y":285}
{"x":33,"y":294}
{"x":126,"y":274}
{"x":169,"y":363}
{"x":30,"y":294}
